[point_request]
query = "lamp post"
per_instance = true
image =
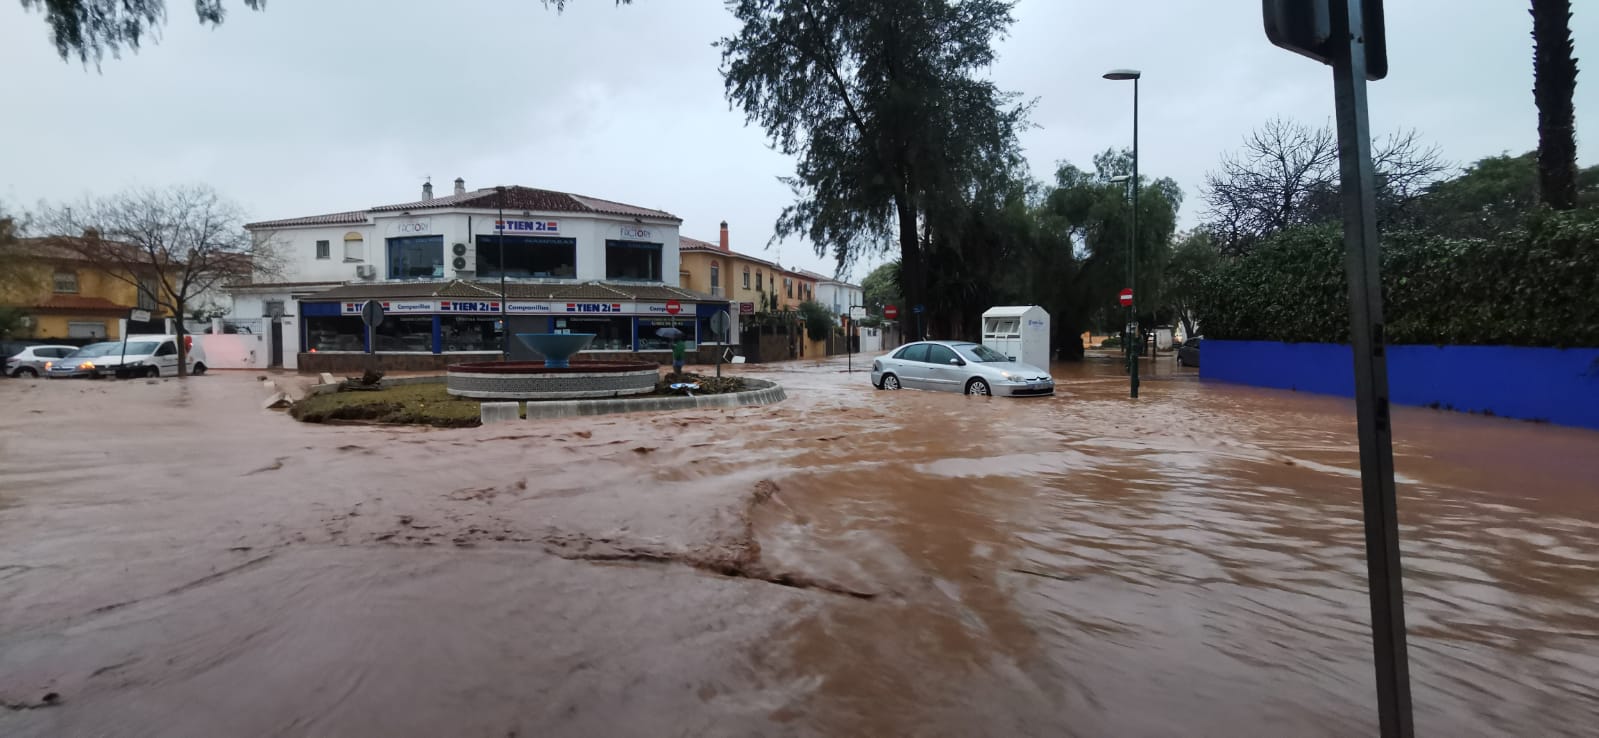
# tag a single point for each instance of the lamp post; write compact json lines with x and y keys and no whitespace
{"x":505,"y":325}
{"x":1122,"y":75}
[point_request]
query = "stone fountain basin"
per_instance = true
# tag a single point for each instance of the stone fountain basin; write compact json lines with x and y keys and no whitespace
{"x":532,"y":380}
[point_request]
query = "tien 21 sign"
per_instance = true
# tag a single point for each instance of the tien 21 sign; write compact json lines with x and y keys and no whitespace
{"x":528,"y":226}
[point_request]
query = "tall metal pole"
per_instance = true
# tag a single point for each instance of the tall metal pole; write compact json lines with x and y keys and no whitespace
{"x":1132,"y":254}
{"x":1362,"y":252}
{"x":505,"y":325}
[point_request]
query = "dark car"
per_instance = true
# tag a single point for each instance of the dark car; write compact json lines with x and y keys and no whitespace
{"x":1188,"y":353}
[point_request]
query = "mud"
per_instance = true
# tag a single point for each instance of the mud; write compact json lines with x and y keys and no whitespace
{"x":175,"y":561}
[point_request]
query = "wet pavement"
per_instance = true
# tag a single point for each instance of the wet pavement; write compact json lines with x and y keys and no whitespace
{"x":175,"y":561}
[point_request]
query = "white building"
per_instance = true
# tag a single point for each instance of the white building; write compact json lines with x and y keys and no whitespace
{"x":836,"y":295}
{"x":423,"y":257}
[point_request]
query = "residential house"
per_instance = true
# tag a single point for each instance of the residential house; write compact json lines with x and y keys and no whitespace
{"x":753,"y":285}
{"x":66,"y":296}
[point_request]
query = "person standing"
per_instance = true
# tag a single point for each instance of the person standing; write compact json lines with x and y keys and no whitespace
{"x":678,"y":349}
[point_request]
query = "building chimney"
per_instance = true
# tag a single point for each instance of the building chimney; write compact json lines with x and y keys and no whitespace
{"x":724,"y":237}
{"x":460,"y":186}
{"x":427,"y":190}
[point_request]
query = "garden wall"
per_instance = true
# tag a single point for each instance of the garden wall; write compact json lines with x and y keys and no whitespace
{"x":1548,"y":384}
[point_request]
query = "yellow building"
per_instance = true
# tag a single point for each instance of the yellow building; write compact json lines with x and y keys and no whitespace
{"x":65,"y":296}
{"x":750,"y":284}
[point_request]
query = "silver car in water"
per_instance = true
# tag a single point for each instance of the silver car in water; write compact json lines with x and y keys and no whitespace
{"x":959,"y":366}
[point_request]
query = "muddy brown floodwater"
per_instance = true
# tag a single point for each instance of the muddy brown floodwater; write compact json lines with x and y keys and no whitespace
{"x":175,"y":561}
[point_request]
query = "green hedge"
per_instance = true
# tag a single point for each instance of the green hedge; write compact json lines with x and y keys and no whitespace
{"x":1536,"y":286}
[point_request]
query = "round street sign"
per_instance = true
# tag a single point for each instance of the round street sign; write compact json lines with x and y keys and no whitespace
{"x":890,"y":312}
{"x":1127,"y":297}
{"x":720,"y":323}
{"x":372,"y":313}
{"x":673,"y":307}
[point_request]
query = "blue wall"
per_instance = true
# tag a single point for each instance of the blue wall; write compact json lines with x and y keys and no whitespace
{"x":1557,"y":385}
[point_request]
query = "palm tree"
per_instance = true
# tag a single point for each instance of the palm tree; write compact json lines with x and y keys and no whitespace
{"x":1554,"y":69}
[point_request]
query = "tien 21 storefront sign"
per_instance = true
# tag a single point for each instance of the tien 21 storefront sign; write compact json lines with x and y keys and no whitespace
{"x":391,"y":306}
{"x":528,"y":226}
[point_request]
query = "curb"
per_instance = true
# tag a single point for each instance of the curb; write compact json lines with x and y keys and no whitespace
{"x":769,"y":394}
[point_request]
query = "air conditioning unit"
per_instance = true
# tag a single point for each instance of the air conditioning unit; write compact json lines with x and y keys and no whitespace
{"x":366,"y":271}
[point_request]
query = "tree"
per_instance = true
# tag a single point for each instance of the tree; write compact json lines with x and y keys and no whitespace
{"x":881,"y":287}
{"x":1193,"y":258}
{"x":1554,"y":73}
{"x":819,"y":321}
{"x":884,"y":106}
{"x":1286,"y":174}
{"x":186,"y":239}
{"x":1492,"y":196}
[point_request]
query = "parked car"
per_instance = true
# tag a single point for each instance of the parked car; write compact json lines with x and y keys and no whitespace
{"x":1188,"y":353}
{"x":138,"y":356}
{"x":958,"y":366}
{"x":30,"y":361}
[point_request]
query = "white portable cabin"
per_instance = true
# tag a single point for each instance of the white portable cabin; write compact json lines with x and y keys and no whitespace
{"x":1020,"y":332}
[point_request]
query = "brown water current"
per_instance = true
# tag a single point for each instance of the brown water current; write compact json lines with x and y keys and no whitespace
{"x":175,"y":561}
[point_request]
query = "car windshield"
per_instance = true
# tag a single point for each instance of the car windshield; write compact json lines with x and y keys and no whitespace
{"x":981,"y":354}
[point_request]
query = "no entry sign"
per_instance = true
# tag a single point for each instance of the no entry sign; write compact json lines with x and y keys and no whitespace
{"x":1127,"y":297}
{"x":673,"y":307}
{"x":891,"y":312}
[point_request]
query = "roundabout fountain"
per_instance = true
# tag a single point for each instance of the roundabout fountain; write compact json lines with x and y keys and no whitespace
{"x":555,"y":378}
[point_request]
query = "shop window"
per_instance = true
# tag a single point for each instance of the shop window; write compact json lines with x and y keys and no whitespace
{"x":323,"y":249}
{"x":405,"y":334}
{"x":416,"y":257}
{"x":527,"y":257}
{"x":610,"y":334}
{"x":354,"y":247}
{"x":471,"y":333}
{"x":636,"y":261}
{"x":66,"y":281}
{"x":746,"y":278}
{"x":649,"y":340}
{"x":335,"y":333}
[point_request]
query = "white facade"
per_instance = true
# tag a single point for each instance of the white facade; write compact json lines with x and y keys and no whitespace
{"x":839,"y":296}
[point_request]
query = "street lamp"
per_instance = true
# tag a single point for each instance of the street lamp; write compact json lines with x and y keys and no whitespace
{"x":1122,"y":75}
{"x":505,"y":325}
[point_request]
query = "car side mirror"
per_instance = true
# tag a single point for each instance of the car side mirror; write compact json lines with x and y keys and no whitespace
{"x":957,"y":362}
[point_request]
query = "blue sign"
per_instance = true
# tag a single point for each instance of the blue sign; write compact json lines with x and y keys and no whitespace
{"x":918,"y":309}
{"x":536,"y":226}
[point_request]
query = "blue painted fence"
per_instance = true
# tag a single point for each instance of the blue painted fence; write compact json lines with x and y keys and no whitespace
{"x":1555,"y":385}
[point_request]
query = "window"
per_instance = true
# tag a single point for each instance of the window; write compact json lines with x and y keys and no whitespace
{"x":404,"y":334}
{"x":636,"y":261}
{"x":788,"y":287}
{"x":67,"y":282}
{"x":471,"y":333}
{"x":913,"y":352}
{"x":272,"y":308}
{"x":322,"y":249}
{"x":147,"y":290}
{"x":416,"y":257}
{"x":167,"y":349}
{"x":937,"y":354}
{"x":759,"y":280}
{"x":341,"y":333}
{"x":746,"y":278}
{"x":86,"y":329}
{"x":648,"y":340}
{"x":610,"y":334}
{"x":982,"y":354}
{"x":354,"y":247}
{"x":527,"y":257}
{"x":716,"y":279}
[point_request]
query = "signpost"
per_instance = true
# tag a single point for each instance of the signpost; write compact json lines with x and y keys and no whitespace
{"x":856,"y":313}
{"x":721,"y":324}
{"x":673,"y":307}
{"x":921,"y":335}
{"x":890,"y":312}
{"x":372,"y":316}
{"x":1349,"y":35}
{"x":1127,"y":297}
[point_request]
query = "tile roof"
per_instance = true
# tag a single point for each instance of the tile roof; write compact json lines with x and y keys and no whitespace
{"x":516,"y":198}
{"x":684,"y":243}
{"x":81,"y":304}
{"x":513,"y":291}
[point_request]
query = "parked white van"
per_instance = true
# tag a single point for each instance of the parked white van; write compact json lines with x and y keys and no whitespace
{"x":138,"y":356}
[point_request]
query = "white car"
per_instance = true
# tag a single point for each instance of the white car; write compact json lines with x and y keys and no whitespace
{"x":138,"y":356}
{"x":959,"y":366}
{"x":30,"y":361}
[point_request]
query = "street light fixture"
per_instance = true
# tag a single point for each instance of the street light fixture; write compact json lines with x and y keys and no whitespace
{"x":1122,"y":75}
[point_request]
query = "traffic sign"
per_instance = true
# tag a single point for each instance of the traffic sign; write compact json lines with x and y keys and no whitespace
{"x":891,"y":312}
{"x":856,"y":312}
{"x":372,"y":313}
{"x":1127,"y":297}
{"x":673,"y":307}
{"x":919,"y":309}
{"x":720,"y":323}
{"x":139,"y":316}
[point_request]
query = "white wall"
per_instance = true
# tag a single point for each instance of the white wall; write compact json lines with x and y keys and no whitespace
{"x":838,"y":297}
{"x":234,"y":351}
{"x":297,"y":249}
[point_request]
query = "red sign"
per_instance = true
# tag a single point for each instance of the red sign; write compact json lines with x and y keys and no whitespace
{"x":673,"y":307}
{"x":746,"y":308}
{"x":1127,"y":297}
{"x":891,"y":312}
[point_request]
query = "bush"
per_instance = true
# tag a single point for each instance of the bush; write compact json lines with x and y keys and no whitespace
{"x":1535,"y":286}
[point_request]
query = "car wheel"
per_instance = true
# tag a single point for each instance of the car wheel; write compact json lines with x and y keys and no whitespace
{"x":152,"y":372}
{"x":890,"y":382}
{"x":26,"y":371}
{"x":978,"y":387}
{"x":198,"y":369}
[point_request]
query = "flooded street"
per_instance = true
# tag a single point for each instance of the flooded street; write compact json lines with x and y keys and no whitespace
{"x":175,"y":561}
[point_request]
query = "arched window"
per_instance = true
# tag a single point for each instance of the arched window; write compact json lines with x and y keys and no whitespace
{"x":354,"y":247}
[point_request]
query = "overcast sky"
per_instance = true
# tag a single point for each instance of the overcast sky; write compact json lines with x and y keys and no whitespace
{"x":314,"y":107}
